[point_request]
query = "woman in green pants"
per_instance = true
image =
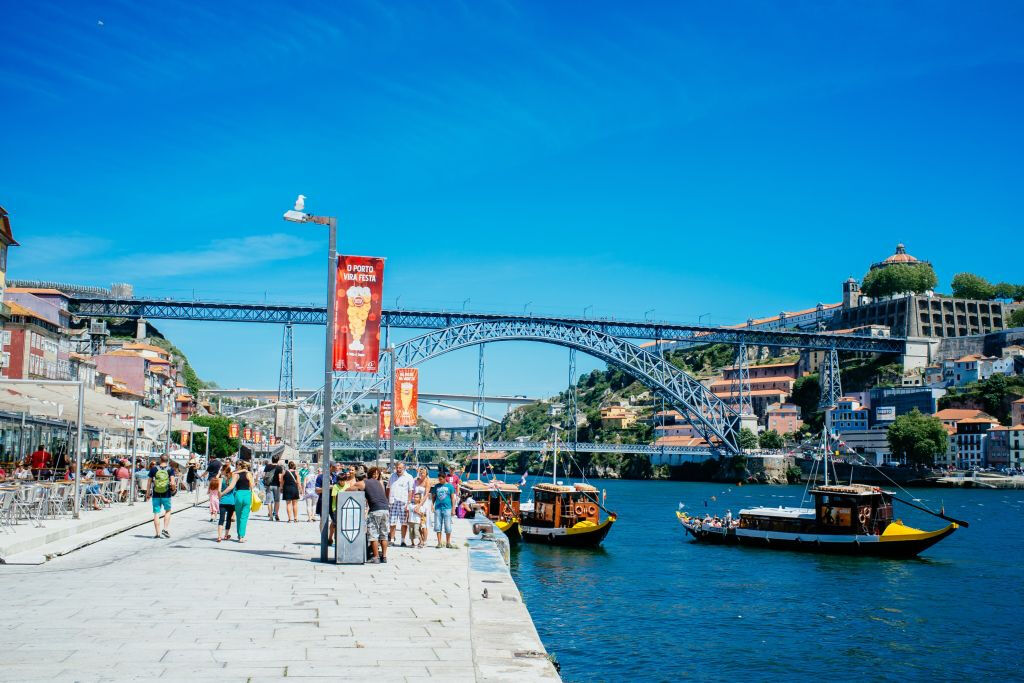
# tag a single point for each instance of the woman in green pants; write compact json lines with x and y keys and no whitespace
{"x":241,"y":484}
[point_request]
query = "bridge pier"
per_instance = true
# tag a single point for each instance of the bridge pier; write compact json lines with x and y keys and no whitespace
{"x":286,"y":423}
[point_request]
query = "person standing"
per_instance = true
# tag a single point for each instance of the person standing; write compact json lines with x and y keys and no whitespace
{"x":290,"y":492}
{"x":377,"y":519}
{"x":39,"y":460}
{"x":332,"y":478}
{"x":159,"y":490}
{"x":191,"y":474}
{"x":400,"y":489}
{"x":241,"y":485}
{"x":273,"y":479}
{"x":443,"y":493}
{"x":213,"y":468}
{"x":226,"y":504}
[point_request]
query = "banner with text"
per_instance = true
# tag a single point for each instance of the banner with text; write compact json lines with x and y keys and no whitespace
{"x":407,"y":391}
{"x":360,"y":284}
{"x":247,"y":434}
{"x":233,"y":430}
{"x":384,"y":426}
{"x":184,"y":438}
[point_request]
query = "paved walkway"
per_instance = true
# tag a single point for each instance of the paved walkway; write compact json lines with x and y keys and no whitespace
{"x":189,"y":608}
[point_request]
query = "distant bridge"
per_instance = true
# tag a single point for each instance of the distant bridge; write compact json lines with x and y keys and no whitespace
{"x":423,"y":395}
{"x":678,"y":454}
{"x":90,"y":305}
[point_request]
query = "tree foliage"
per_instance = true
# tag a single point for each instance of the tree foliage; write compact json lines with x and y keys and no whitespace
{"x":1017,"y":318}
{"x":971,"y":286}
{"x":770,"y":439}
{"x":898,"y":278}
{"x":747,"y":439}
{"x":994,"y":395}
{"x":221,"y":446}
{"x":918,"y":438}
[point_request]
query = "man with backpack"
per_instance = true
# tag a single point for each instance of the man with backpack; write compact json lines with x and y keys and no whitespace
{"x":160,"y":489}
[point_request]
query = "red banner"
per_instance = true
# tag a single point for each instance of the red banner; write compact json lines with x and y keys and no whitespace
{"x":384,"y":423}
{"x":257,"y":436}
{"x":233,"y":430}
{"x":360,"y":284}
{"x":247,"y":434}
{"x":184,"y":438}
{"x":273,"y":440}
{"x":407,"y":391}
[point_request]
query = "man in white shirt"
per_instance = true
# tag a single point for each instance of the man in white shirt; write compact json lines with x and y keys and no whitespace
{"x":400,"y":488}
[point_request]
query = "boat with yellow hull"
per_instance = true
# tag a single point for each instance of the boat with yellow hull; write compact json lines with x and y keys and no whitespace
{"x":499,"y":502}
{"x":566,"y":516}
{"x":850,"y":519}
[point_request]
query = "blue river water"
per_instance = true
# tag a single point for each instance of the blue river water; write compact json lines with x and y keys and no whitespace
{"x":650,"y":605}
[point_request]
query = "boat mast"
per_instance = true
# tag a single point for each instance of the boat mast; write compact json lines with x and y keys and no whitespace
{"x":554,"y":462}
{"x":824,"y":451}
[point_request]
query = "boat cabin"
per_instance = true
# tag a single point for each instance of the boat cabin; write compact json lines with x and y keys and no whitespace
{"x":850,"y":509}
{"x":497,"y":499}
{"x":560,"y":506}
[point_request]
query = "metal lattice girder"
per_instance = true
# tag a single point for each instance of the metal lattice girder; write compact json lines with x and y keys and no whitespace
{"x":285,"y":381}
{"x":741,"y":400}
{"x":529,"y":446}
{"x":96,"y":306}
{"x":571,"y":406}
{"x":711,"y":418}
{"x":829,"y":377}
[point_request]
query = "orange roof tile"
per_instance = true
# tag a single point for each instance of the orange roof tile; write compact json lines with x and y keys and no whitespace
{"x":18,"y":309}
{"x":145,"y":347}
{"x":978,"y":421}
{"x":36,"y":290}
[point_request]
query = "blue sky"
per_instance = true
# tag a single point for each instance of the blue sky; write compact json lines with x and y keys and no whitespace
{"x":731,"y":159}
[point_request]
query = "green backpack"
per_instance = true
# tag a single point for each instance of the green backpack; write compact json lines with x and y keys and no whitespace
{"x":162,"y":480}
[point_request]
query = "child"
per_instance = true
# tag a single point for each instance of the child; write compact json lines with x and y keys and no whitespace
{"x":417,"y":521}
{"x":213,"y":492}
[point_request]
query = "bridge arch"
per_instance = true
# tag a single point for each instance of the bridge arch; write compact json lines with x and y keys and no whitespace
{"x":711,"y":417}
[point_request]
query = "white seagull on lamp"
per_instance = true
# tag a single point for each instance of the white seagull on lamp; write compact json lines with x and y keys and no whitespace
{"x":300,"y":203}
{"x":298,"y":214}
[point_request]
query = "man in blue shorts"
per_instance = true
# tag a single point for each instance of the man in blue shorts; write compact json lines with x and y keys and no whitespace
{"x":443,"y":494}
{"x":160,"y":489}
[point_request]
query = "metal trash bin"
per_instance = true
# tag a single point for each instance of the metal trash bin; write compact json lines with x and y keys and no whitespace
{"x":350,"y":525}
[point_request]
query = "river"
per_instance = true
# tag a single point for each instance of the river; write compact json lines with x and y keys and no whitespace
{"x":650,"y":605}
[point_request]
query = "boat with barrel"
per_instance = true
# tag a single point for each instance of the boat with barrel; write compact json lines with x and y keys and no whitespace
{"x":499,"y":502}
{"x":565,"y":515}
{"x":846,"y":519}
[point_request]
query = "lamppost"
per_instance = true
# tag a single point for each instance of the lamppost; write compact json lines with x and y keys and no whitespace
{"x":299,"y":215}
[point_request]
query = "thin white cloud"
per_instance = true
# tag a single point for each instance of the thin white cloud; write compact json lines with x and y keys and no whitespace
{"x":447,"y":417}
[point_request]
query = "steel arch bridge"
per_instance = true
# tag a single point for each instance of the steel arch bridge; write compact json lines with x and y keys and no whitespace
{"x":712,"y":418}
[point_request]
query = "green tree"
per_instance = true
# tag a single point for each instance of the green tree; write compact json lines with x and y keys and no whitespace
{"x":1017,"y":318}
{"x":748,"y":439}
{"x":1005,"y":290}
{"x":769,"y":439}
{"x":971,"y":286}
{"x":918,"y":438}
{"x":221,"y":446}
{"x":898,"y":278}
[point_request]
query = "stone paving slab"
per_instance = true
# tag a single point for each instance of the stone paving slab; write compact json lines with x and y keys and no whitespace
{"x":187,"y":608}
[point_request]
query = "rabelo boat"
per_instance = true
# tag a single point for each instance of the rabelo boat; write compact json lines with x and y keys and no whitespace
{"x":499,"y":502}
{"x":565,"y":515}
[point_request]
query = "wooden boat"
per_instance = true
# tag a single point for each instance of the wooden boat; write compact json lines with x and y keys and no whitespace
{"x":851,"y":519}
{"x":499,"y":501}
{"x":565,"y":516}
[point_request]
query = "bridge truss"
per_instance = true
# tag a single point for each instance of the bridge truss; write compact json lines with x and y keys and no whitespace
{"x":84,"y":305}
{"x":715,"y":421}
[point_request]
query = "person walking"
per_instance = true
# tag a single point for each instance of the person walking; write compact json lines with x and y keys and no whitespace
{"x":400,"y":489}
{"x":273,"y":479}
{"x":443,"y":493}
{"x":213,"y":492}
{"x":159,"y":490}
{"x":242,"y":485}
{"x":377,"y":519}
{"x":213,"y":468}
{"x":226,"y":504}
{"x":290,"y":492}
{"x":309,"y":495}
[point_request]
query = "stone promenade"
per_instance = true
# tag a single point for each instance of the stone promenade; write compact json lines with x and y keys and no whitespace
{"x":187,"y":608}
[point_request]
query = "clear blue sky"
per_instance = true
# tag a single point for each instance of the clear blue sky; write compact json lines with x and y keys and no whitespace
{"x":733,"y":159}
